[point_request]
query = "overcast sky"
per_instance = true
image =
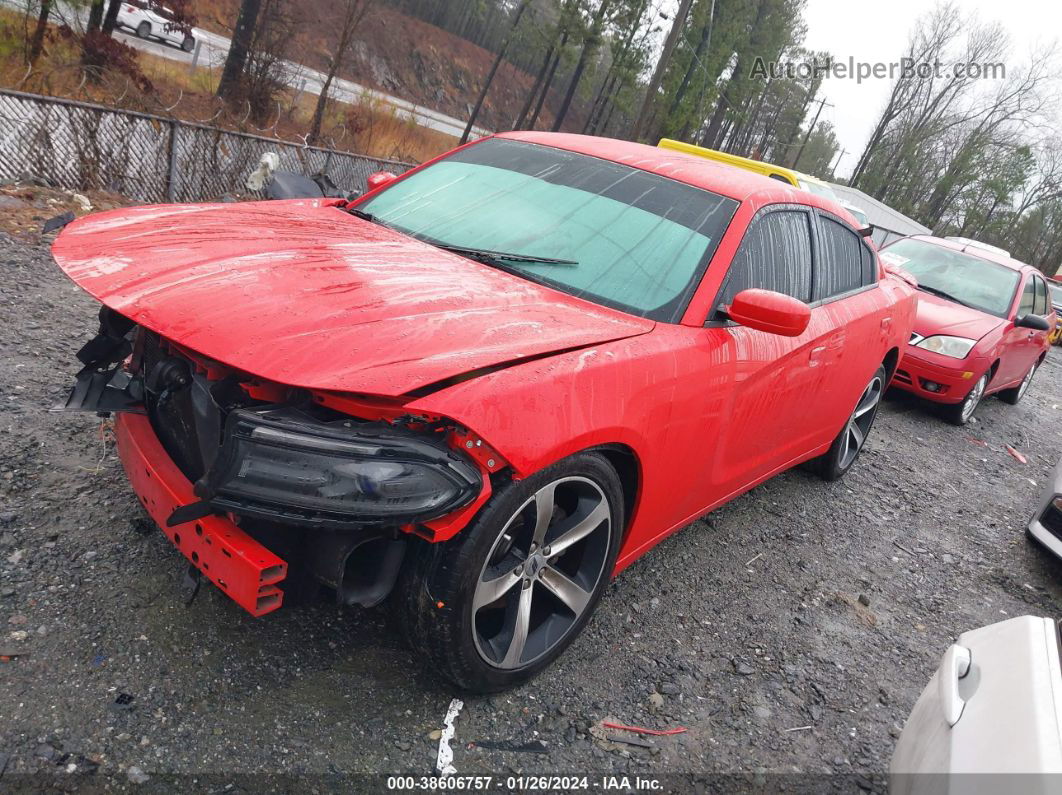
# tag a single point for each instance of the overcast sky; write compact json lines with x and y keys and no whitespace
{"x":878,"y":31}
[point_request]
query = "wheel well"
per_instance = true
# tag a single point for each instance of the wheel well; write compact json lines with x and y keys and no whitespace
{"x":1041,"y":359}
{"x":892,"y":358}
{"x":992,"y":369}
{"x":625,"y":462}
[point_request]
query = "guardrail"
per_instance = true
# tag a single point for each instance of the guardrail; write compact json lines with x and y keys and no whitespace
{"x":79,"y":145}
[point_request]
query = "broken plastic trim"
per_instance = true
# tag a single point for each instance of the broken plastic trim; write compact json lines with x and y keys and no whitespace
{"x":103,"y":385}
{"x":106,"y":391}
{"x":111,"y":344}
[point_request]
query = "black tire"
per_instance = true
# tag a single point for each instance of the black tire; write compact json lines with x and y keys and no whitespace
{"x":961,"y":412}
{"x":435,"y":596}
{"x":188,"y":44}
{"x":143,"y":30}
{"x":835,"y":462}
{"x":1016,"y":393}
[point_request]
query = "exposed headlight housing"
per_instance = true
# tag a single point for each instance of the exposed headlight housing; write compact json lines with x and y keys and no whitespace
{"x":285,"y":465}
{"x":955,"y":347}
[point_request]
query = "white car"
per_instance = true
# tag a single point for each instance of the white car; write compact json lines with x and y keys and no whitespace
{"x":994,"y":706}
{"x":153,"y":23}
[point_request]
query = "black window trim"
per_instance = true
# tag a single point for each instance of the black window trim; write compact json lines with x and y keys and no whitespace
{"x":714,"y":320}
{"x":819,"y":214}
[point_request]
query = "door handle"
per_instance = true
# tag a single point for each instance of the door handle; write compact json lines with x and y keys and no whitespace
{"x":815,"y":357}
{"x":954,"y":666}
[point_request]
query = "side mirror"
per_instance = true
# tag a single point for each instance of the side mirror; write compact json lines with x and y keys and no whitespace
{"x":379,"y":179}
{"x":765,"y":310}
{"x":1035,"y":322}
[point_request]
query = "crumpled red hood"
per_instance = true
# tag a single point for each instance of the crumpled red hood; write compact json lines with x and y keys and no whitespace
{"x":305,"y":294}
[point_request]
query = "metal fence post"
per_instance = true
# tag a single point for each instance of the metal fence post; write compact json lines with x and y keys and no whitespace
{"x":171,"y":175}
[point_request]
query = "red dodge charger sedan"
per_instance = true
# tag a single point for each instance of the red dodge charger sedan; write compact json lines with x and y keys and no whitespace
{"x":485,"y":386}
{"x":982,"y":326}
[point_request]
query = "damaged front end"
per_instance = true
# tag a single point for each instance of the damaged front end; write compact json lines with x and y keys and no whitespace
{"x":247,"y":477}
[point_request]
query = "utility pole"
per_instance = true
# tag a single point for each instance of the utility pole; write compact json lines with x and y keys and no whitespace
{"x":822,"y":104}
{"x":837,"y":162}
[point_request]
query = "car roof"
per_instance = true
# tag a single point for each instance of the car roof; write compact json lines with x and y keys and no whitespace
{"x":976,"y":251}
{"x":711,"y":175}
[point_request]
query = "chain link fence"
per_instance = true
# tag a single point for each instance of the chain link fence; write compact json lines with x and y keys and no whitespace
{"x":78,"y":145}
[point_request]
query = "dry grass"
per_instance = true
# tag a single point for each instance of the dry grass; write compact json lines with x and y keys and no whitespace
{"x":363,"y":127}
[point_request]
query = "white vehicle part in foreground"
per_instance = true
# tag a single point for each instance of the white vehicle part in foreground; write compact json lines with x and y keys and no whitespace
{"x":994,"y":706}
{"x":444,"y":761}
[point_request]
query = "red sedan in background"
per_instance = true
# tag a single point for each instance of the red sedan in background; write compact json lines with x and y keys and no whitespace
{"x":982,"y":327}
{"x":496,"y":380}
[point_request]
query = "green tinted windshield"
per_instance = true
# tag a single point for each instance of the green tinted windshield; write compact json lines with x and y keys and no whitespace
{"x":640,"y":242}
{"x":971,"y":280}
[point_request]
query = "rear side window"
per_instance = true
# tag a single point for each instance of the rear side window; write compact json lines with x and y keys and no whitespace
{"x":1027,"y":304}
{"x":774,"y":255}
{"x":1040,"y":307}
{"x":841,"y":267}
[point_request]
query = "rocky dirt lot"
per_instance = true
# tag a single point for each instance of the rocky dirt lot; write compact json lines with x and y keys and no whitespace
{"x":790,"y":632}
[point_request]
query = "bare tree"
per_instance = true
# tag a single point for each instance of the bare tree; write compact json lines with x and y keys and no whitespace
{"x":493,"y":71}
{"x":37,"y":43}
{"x":353,"y":11}
{"x":649,"y":103}
{"x":229,"y":87}
{"x":593,"y":36}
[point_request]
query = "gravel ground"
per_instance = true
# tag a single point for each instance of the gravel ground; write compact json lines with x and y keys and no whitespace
{"x":791,"y":631}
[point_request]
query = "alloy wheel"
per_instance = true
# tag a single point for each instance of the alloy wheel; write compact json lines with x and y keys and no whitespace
{"x":974,"y":398}
{"x":542,"y":572}
{"x":861,"y":420}
{"x":1025,"y":383}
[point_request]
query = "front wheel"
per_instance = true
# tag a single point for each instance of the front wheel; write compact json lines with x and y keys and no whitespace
{"x":188,"y":44}
{"x":1014,"y":394}
{"x":835,"y":462}
{"x":960,"y":413}
{"x":510,"y":593}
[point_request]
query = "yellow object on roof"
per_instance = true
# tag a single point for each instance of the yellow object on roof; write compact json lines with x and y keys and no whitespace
{"x":781,"y":173}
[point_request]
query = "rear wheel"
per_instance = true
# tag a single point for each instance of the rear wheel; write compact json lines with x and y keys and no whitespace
{"x":835,"y":462}
{"x":507,"y":596}
{"x":143,"y":30}
{"x":1014,"y":394}
{"x":960,"y":413}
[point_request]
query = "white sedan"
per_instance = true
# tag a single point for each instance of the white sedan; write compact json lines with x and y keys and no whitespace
{"x":153,"y":23}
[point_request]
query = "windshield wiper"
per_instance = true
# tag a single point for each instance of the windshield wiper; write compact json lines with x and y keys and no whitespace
{"x":489,"y":257}
{"x":943,"y":294}
{"x":366,"y":217}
